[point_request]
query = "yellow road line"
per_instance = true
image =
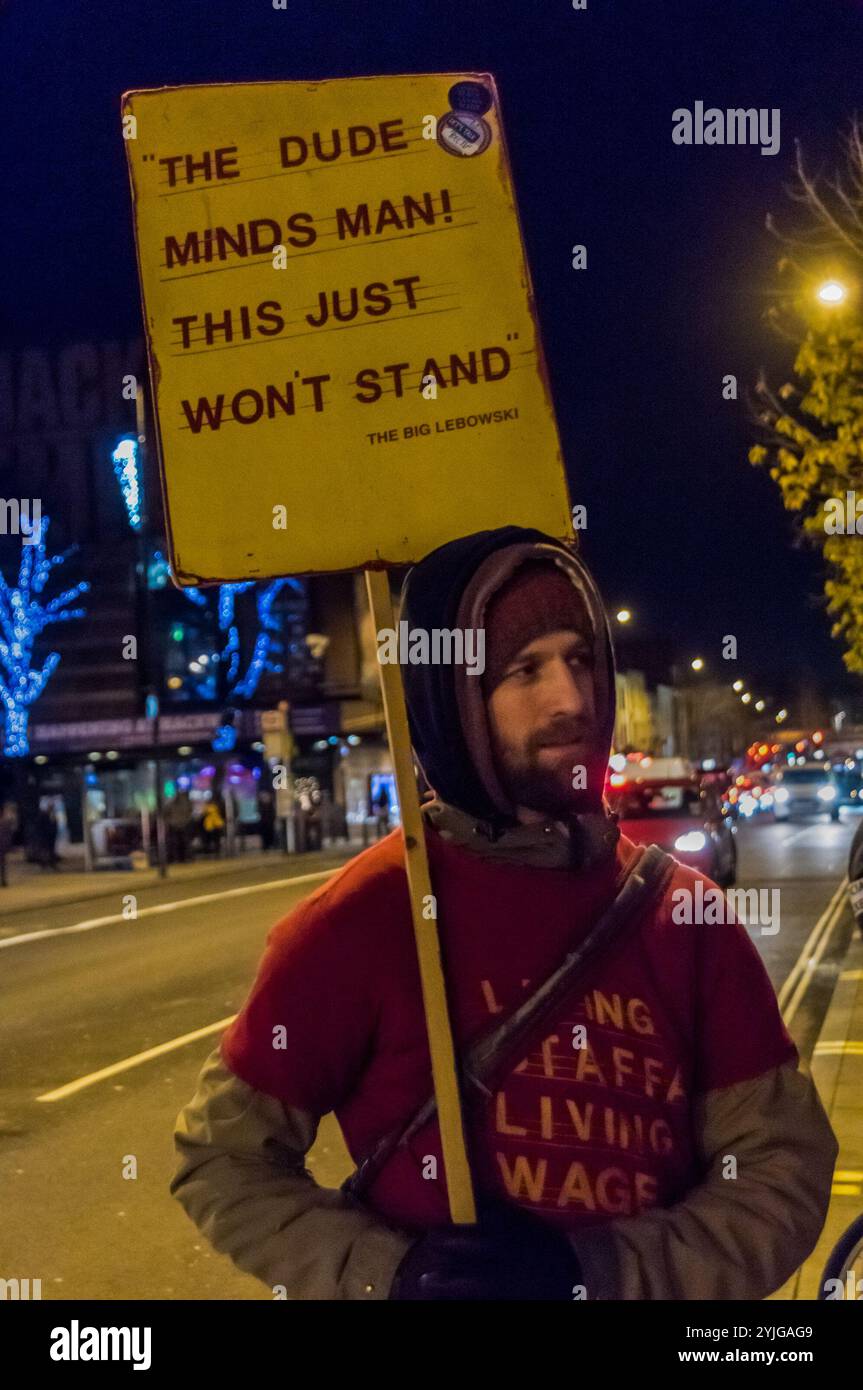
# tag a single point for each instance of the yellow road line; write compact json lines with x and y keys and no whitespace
{"x":800,"y":963}
{"x":808,"y":964}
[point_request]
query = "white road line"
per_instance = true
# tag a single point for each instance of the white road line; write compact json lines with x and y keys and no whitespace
{"x":177,"y":906}
{"x":832,"y":915}
{"x":797,"y":835}
{"x":803,"y":964}
{"x":128,"y":1062}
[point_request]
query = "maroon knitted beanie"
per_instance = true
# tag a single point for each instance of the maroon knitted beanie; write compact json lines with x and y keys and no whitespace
{"x":537,"y":599}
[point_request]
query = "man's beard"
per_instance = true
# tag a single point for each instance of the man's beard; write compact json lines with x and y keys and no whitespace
{"x":549,"y":789}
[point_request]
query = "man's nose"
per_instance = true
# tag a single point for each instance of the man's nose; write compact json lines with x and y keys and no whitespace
{"x":562,"y":693}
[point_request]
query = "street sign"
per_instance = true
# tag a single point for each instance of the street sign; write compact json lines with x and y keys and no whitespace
{"x":345,"y":363}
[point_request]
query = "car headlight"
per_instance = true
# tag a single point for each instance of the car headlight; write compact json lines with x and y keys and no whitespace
{"x":691,"y":842}
{"x":827,"y":793}
{"x":781,"y":794}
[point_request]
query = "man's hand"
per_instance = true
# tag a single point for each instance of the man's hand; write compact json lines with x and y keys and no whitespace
{"x":509,"y":1254}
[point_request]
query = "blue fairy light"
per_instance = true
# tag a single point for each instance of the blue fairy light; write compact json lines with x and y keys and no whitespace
{"x":24,"y":614}
{"x":127,"y":470}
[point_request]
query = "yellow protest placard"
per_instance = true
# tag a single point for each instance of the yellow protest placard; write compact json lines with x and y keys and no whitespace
{"x":345,"y":363}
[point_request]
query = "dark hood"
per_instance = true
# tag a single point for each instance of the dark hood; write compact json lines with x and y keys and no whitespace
{"x":450,"y":589}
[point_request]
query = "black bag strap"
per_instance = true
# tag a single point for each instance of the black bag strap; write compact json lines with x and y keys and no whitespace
{"x":645,"y":880}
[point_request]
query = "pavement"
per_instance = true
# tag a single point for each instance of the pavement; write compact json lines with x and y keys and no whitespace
{"x":32,"y":887}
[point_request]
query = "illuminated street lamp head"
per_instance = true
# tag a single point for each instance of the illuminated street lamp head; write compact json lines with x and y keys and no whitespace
{"x":738,"y":686}
{"x":623,"y":615}
{"x":746,"y":697}
{"x":831,"y":292}
{"x":781,"y":716}
{"x":759,"y":705}
{"x":697,"y":664}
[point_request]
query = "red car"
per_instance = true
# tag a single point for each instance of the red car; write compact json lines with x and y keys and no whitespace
{"x":680,"y":818}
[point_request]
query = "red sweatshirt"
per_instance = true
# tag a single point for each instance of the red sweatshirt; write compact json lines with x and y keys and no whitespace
{"x":587,"y":1127}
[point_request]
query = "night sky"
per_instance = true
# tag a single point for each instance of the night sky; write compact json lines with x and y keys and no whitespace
{"x":680,"y":526}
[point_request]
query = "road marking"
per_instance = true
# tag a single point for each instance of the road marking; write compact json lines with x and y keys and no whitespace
{"x":846,"y":1189}
{"x":791,"y":979}
{"x":823,"y":925}
{"x":177,"y":906}
{"x":116,"y":1068}
{"x":847,"y":1175}
{"x":851,"y":1047}
{"x":807,"y":962}
{"x":851,"y":975}
{"x":789,"y":839}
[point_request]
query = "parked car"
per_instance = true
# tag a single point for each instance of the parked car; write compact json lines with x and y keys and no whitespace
{"x":810,"y":790}
{"x":679,"y":817}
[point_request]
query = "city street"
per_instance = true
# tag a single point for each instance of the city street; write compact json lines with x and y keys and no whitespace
{"x":80,"y":1002}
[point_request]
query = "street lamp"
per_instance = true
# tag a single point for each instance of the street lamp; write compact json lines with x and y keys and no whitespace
{"x":746,"y":697}
{"x":129,"y":460}
{"x":831,"y":292}
{"x":697,"y":664}
{"x":738,"y":686}
{"x":759,"y":705}
{"x":623,"y":615}
{"x":781,"y":716}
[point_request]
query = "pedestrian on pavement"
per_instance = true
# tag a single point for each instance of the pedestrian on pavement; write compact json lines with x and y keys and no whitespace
{"x":654,"y":1137}
{"x":266,"y":818}
{"x":212,"y":828}
{"x":8,"y":827}
{"x":45,"y":837}
{"x":382,"y":811}
{"x":179,"y":818}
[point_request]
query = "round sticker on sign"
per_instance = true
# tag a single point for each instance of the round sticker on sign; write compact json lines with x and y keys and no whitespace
{"x":470,"y":96}
{"x":460,"y":132}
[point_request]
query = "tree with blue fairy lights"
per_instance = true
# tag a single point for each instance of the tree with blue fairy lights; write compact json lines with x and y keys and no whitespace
{"x":267,"y":648}
{"x":24,"y":615}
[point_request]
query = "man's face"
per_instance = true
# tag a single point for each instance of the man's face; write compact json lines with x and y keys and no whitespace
{"x":542,"y":718}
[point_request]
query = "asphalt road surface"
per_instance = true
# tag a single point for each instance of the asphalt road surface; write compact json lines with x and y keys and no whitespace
{"x":86,"y":1001}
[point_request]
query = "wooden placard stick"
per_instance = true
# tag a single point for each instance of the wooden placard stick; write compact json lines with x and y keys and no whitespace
{"x":458,"y":1176}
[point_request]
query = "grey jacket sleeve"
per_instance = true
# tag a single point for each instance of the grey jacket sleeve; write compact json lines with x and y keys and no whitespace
{"x":241,"y":1179}
{"x":731,"y":1237}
